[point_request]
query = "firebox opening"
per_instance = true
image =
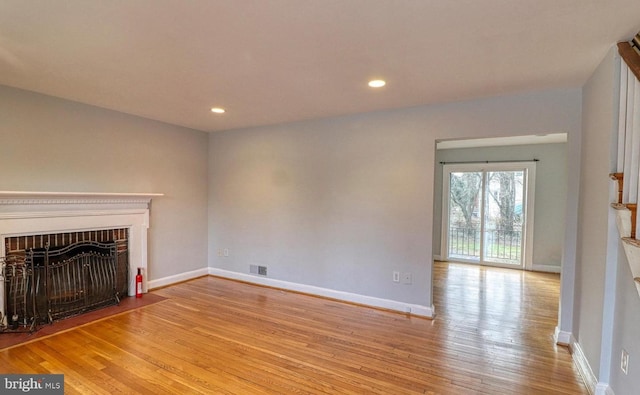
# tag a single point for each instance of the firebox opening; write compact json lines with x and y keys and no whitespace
{"x":52,"y":277}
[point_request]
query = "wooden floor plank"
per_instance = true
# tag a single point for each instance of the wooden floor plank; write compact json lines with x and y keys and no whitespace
{"x":493,"y":335}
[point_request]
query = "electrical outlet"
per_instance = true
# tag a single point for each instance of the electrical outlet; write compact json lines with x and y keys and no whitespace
{"x":219,"y":251}
{"x":624,"y":361}
{"x":406,"y":278}
{"x":226,"y":252}
{"x":396,"y":277}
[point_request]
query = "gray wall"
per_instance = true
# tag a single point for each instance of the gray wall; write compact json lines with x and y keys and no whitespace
{"x":550,"y":193}
{"x":608,"y":305}
{"x":593,"y":211}
{"x":50,"y":144}
{"x":341,"y":203}
{"x":626,"y":329}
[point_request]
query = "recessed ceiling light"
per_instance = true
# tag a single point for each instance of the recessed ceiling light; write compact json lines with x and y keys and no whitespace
{"x":218,"y":110}
{"x":377,"y":83}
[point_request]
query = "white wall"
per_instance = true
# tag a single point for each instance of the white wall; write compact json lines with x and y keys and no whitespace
{"x":50,"y":144}
{"x":341,"y":203}
{"x":550,"y":194}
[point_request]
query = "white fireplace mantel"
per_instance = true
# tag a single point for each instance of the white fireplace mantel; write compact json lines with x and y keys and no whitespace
{"x":28,"y":204}
{"x":24,"y":213}
{"x":22,"y":198}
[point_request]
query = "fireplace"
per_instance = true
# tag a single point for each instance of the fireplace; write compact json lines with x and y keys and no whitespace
{"x":39,"y":226}
{"x":55,"y":276}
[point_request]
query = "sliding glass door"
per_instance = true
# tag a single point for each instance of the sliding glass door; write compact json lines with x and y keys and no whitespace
{"x":487,"y":213}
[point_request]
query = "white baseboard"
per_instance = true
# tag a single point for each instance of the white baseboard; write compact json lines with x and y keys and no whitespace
{"x":604,"y":389}
{"x":590,"y":379}
{"x":535,"y":267}
{"x":413,"y":309}
{"x":564,"y":338}
{"x":546,"y":268}
{"x":163,"y":282}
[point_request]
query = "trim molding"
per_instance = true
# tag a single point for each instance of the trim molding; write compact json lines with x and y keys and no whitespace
{"x":413,"y":309}
{"x":74,"y":213}
{"x":563,"y":338}
{"x":27,"y":198}
{"x":110,"y":195}
{"x":584,"y":368}
{"x":546,"y":268}
{"x":163,"y":282}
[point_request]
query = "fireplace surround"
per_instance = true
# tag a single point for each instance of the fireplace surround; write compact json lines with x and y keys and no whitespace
{"x":37,"y":213}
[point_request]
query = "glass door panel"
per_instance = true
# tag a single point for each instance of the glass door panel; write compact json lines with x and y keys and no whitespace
{"x":503,"y":217}
{"x":465,"y":217}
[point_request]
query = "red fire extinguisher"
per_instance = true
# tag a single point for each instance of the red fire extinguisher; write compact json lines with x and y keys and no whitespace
{"x":139,"y":283}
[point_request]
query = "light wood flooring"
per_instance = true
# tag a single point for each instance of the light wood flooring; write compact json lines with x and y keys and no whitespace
{"x":493,"y":334}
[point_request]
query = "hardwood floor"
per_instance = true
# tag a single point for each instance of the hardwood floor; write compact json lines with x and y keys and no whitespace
{"x":492,"y":335}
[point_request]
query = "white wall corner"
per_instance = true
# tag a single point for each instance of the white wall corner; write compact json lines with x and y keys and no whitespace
{"x":169,"y":280}
{"x":413,"y":309}
{"x":437,"y":258}
{"x":584,"y":368}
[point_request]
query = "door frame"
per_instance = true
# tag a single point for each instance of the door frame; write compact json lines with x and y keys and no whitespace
{"x":529,"y":168}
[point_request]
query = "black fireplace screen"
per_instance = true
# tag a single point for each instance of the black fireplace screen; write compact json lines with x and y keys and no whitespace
{"x":45,"y":285}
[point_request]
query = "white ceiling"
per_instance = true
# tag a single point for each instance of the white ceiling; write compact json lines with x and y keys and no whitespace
{"x":275,"y":61}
